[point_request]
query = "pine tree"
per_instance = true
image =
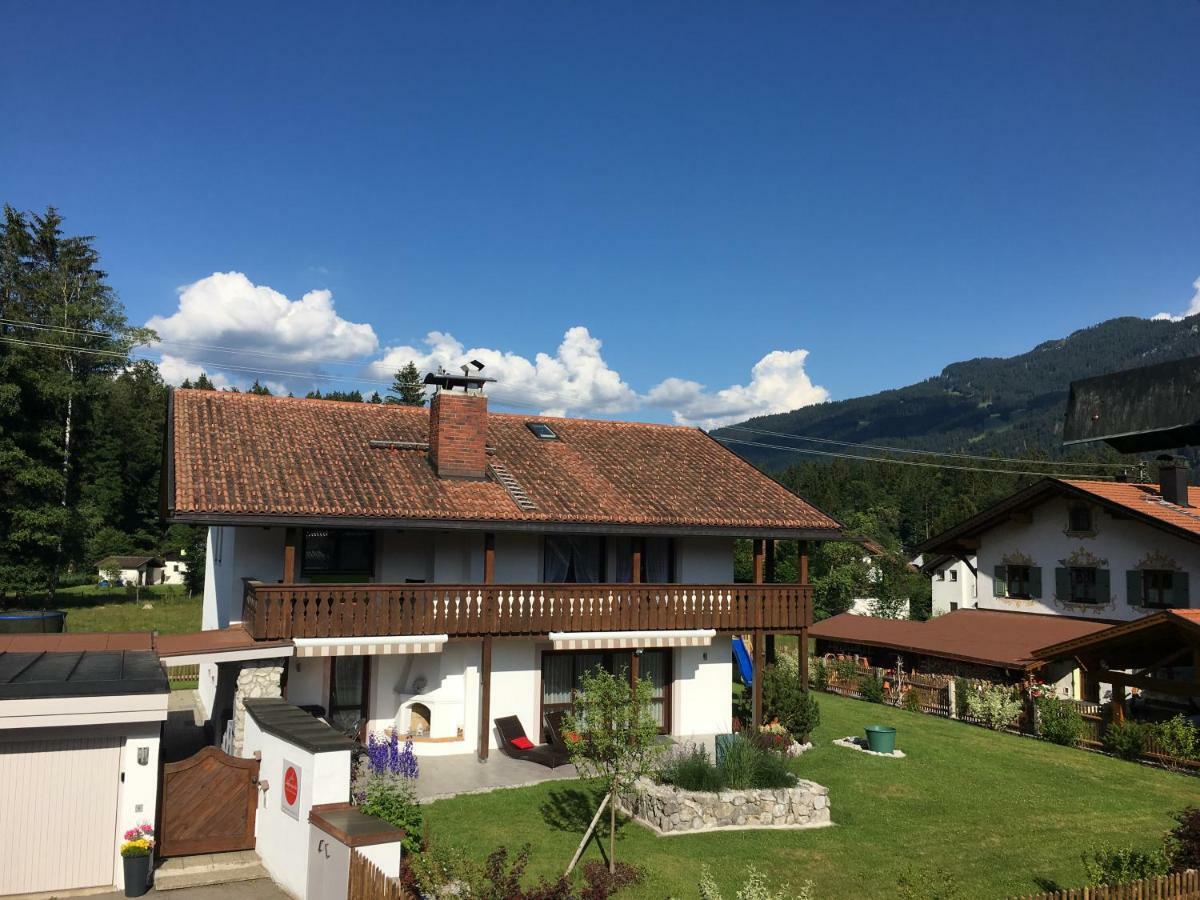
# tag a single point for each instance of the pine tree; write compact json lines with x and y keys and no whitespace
{"x":261,"y":389}
{"x":375,"y":398}
{"x":407,"y":387}
{"x":203,"y":384}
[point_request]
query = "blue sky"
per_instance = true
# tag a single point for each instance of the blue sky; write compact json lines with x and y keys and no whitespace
{"x":890,"y":187}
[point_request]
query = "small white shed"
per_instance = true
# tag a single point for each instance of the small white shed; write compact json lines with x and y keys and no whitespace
{"x":80,"y":726}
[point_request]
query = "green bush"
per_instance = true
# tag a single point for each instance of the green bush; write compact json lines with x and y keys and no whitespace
{"x":692,"y":770}
{"x":928,"y":882}
{"x":818,"y":675}
{"x":912,"y":700}
{"x":755,"y":887}
{"x":1106,"y":866}
{"x":771,"y":771}
{"x":995,"y":705}
{"x":845,"y":669}
{"x":1177,"y":737}
{"x":785,"y":698}
{"x":739,"y":763}
{"x":395,"y":801}
{"x":870,"y":688}
{"x":1059,"y":721}
{"x":1183,"y":841}
{"x":962,"y":689}
{"x":1126,"y":739}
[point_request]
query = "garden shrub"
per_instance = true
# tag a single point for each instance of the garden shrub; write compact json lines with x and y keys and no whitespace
{"x":995,"y":705}
{"x":771,"y":771}
{"x":962,"y":689}
{"x":785,"y":698}
{"x":818,"y":675}
{"x":385,"y":786}
{"x":1059,"y":721}
{"x":1126,"y":739}
{"x":1176,"y":737}
{"x":739,"y":763}
{"x":755,"y":887}
{"x":912,"y":700}
{"x":1107,"y":866}
{"x":602,"y":883}
{"x":1183,"y":841}
{"x":845,"y":669}
{"x":928,"y":883}
{"x":691,"y":769}
{"x":870,"y":688}
{"x":774,"y":737}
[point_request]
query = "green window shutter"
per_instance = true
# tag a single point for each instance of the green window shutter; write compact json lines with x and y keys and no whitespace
{"x":1179,"y":588}
{"x":1062,"y":584}
{"x":1133,"y":587}
{"x":1103,"y":586}
{"x":1035,"y":582}
{"x":1000,"y":581}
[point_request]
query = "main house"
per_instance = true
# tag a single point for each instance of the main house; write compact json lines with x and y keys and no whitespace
{"x":1056,"y":561}
{"x":431,"y":570}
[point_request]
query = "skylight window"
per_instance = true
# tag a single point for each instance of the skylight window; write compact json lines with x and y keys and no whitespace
{"x":542,"y":430}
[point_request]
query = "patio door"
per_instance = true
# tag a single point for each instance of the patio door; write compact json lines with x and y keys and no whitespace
{"x":349,"y":684}
{"x":562,"y":672}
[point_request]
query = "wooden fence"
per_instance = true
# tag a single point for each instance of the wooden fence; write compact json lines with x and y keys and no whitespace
{"x":1181,"y":886}
{"x":368,"y":882}
{"x":182,"y":674}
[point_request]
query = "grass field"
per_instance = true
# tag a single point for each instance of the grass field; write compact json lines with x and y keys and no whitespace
{"x":1005,"y":815}
{"x":91,"y":608}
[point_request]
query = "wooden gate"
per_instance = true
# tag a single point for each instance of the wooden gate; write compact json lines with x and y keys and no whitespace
{"x":208,"y":804}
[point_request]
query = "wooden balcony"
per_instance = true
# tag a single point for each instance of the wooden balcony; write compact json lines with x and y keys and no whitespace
{"x":275,"y":611}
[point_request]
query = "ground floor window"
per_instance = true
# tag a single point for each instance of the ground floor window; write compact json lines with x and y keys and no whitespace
{"x":562,"y":671}
{"x":348,"y":690}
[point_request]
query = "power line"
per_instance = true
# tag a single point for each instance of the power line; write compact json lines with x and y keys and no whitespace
{"x":1036,"y":462}
{"x":902,"y":462}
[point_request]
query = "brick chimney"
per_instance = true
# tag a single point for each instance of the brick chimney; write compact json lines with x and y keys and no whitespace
{"x":1173,"y":480}
{"x":458,"y":434}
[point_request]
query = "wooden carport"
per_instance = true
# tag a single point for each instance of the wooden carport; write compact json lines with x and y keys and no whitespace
{"x":1159,"y":653}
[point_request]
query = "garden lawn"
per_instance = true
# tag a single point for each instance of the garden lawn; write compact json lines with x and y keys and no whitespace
{"x":92,"y":608}
{"x":1005,"y":815}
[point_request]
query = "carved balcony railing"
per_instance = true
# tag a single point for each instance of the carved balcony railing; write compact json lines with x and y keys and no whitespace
{"x":280,"y":611}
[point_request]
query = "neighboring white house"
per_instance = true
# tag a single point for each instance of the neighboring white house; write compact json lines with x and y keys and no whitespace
{"x":955,"y":585}
{"x":130,"y":570}
{"x":869,"y":606}
{"x":174,"y":568}
{"x":435,"y":569}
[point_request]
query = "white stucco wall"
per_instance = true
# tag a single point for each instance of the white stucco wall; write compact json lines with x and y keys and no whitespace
{"x":702,"y":695}
{"x":282,"y":841}
{"x":1119,"y":543}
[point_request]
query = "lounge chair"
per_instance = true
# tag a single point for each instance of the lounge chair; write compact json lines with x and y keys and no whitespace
{"x":554,"y":731}
{"x":515,"y":743}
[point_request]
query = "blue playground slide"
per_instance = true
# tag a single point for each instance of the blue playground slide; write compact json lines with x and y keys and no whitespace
{"x":742,"y":656}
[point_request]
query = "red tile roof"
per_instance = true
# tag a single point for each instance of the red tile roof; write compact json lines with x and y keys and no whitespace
{"x":988,"y":637}
{"x":1146,"y":500}
{"x":241,"y":455}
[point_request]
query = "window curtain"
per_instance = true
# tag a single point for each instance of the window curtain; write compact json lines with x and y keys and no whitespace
{"x":572,"y":558}
{"x":558,"y":678}
{"x":657,"y":560}
{"x":624,"y":571}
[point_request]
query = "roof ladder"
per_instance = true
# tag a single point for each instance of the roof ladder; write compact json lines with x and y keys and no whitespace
{"x":510,"y":484}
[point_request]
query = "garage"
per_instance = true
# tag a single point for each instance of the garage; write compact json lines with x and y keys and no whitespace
{"x":80,"y":726}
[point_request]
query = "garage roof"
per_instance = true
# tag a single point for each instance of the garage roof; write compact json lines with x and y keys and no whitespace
{"x":34,"y":674}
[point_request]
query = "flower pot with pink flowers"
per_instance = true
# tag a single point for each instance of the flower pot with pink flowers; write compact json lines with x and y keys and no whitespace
{"x":137,"y":855}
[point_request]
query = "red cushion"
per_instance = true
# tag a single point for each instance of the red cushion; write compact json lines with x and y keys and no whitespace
{"x":522,"y":743}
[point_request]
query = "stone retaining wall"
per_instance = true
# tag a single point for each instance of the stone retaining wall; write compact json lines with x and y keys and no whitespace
{"x":669,"y":810}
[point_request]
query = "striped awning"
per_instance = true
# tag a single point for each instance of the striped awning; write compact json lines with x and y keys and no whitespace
{"x":627,"y":640}
{"x":386,"y":645}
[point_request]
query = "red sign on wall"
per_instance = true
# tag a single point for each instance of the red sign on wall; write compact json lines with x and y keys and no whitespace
{"x":290,"y":801}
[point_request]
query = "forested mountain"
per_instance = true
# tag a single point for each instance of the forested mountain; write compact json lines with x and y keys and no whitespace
{"x":1009,"y":406}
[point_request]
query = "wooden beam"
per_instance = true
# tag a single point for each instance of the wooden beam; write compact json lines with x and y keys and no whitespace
{"x":485,"y":698}
{"x":1118,"y":698}
{"x":636,"y":547}
{"x":635,"y":665}
{"x":757,"y":704}
{"x":1179,"y":688}
{"x":759,"y":561}
{"x":291,"y":571}
{"x":802,"y":562}
{"x":489,"y":557}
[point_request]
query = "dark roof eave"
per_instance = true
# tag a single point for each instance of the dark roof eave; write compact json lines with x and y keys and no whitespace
{"x":940,"y":654}
{"x":782,"y":532}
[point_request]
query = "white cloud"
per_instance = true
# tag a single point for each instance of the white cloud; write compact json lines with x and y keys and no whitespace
{"x":778,"y":383}
{"x":227,"y":309}
{"x":576,"y":379}
{"x":1193,"y":307}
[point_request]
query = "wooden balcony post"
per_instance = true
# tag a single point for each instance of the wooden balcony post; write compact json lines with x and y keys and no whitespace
{"x":757,"y":689}
{"x":485,"y":649}
{"x":637,"y":546}
{"x":759,"y":565}
{"x":635,"y":665}
{"x":1118,"y":701}
{"x":291,"y":540}
{"x":802,"y":637}
{"x":485,"y":698}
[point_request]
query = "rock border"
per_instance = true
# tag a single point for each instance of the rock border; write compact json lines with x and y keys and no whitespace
{"x":860,"y":744}
{"x":668,"y":811}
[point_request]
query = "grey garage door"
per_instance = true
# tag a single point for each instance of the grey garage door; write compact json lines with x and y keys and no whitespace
{"x":58,"y":819}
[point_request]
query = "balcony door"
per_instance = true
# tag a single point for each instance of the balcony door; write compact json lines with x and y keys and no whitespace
{"x":573,"y":559}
